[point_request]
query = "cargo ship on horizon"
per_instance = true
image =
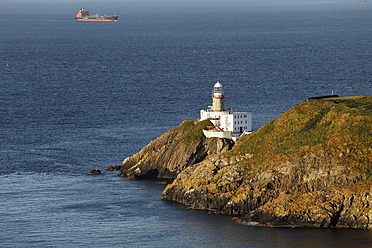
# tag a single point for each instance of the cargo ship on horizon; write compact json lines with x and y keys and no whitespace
{"x":83,"y":16}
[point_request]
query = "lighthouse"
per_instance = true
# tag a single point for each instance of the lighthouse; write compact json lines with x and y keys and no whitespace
{"x":227,"y":123}
{"x":218,"y":96}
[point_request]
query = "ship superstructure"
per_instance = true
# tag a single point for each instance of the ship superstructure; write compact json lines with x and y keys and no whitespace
{"x":83,"y":16}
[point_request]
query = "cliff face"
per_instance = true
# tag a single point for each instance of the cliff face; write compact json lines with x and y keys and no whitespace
{"x":173,"y":152}
{"x":311,"y":167}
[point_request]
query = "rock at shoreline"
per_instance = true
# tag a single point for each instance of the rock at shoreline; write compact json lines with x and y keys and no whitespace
{"x":94,"y":172}
{"x":113,"y":168}
{"x":308,"y":192}
{"x":291,"y":172}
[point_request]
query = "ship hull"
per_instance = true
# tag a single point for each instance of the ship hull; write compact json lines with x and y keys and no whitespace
{"x":97,"y":20}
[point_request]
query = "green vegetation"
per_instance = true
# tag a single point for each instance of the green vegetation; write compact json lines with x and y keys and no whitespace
{"x":359,"y":103}
{"x":193,"y":130}
{"x":341,"y":127}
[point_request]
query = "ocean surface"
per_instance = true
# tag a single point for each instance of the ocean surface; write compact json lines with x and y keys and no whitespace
{"x":79,"y":96}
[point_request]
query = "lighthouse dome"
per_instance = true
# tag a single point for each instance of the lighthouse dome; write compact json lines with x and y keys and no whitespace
{"x":218,"y":85}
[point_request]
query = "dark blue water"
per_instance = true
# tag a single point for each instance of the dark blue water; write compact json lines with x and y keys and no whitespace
{"x":77,"y":96}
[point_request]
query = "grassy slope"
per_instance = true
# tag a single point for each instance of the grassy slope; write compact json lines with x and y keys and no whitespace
{"x":339,"y":126}
{"x":193,"y":130}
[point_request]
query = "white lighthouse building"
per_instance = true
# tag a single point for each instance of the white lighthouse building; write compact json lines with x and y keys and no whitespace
{"x":227,"y":124}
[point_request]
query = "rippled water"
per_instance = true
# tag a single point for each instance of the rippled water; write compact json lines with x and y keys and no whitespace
{"x":77,"y":96}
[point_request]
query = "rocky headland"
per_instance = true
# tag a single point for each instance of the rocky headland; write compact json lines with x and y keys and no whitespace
{"x":310,"y":167}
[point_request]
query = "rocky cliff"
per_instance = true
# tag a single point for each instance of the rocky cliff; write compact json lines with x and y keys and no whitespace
{"x":312,"y":167}
{"x":173,"y":152}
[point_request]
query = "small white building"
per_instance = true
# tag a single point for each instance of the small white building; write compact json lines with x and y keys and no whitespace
{"x":227,"y":124}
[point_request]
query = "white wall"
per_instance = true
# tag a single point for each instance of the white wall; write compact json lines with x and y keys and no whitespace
{"x":242,"y":121}
{"x":235,"y":122}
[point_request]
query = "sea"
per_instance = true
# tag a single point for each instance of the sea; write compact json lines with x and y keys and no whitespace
{"x":78,"y":96}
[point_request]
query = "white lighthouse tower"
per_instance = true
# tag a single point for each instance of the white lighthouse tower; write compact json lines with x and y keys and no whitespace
{"x":218,"y":97}
{"x":227,"y":124}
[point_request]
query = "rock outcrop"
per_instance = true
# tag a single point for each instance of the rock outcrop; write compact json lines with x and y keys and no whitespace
{"x":173,"y":152}
{"x":113,"y":168}
{"x":311,"y":191}
{"x":310,"y":167}
{"x":94,"y":172}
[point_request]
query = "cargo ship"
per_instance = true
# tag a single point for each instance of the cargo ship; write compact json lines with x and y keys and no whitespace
{"x":83,"y":16}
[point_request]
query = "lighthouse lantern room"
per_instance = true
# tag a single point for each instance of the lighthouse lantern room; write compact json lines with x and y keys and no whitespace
{"x":227,"y":124}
